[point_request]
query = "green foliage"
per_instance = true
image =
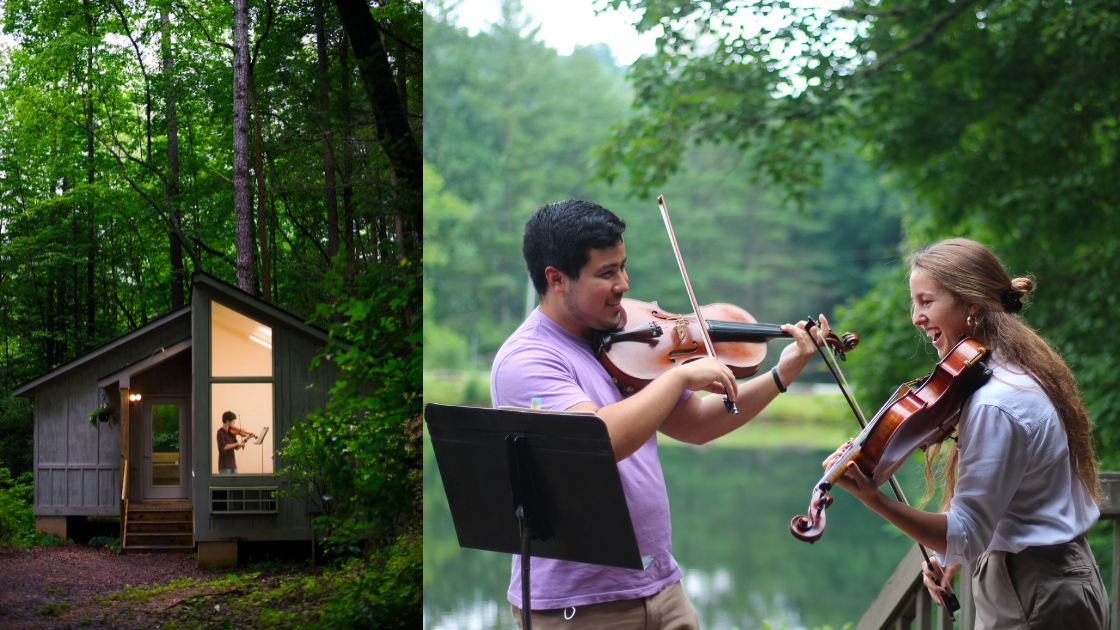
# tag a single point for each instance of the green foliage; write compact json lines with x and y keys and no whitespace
{"x":359,"y":460}
{"x":165,"y":441}
{"x":112,"y":542}
{"x":91,"y":198}
{"x":383,"y":591}
{"x":457,"y":388}
{"x":512,"y":125}
{"x":17,"y":520}
{"x":17,"y":516}
{"x":104,"y":413}
{"x":52,"y":609}
{"x":991,"y":113}
{"x":16,"y":434}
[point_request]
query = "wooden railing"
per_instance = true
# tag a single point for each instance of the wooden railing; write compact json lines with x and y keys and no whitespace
{"x":904,"y":600}
{"x":124,"y":500}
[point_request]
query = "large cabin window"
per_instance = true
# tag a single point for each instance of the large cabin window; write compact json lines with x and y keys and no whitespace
{"x":241,"y":418}
{"x":241,"y":346}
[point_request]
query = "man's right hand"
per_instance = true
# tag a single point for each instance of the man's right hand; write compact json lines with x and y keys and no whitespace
{"x":709,"y":375}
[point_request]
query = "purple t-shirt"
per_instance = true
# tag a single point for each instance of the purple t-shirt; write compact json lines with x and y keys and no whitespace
{"x":542,"y":360}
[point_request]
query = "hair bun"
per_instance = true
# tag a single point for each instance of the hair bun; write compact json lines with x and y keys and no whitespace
{"x":1022,"y":285}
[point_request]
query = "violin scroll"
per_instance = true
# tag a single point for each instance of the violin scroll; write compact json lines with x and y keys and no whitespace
{"x":810,"y":527}
{"x":839,"y":345}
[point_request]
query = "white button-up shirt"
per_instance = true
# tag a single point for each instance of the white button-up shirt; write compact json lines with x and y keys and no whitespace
{"x":1015,"y":487}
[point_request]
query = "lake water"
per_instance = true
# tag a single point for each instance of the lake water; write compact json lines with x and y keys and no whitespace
{"x":731,"y":510}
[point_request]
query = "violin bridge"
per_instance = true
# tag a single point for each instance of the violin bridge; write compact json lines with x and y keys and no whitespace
{"x":682,"y":329}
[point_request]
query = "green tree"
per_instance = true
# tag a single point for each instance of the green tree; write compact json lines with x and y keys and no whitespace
{"x":1000,"y":117}
{"x":512,"y":125}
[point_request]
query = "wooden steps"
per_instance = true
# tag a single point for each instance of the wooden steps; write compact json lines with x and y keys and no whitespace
{"x":159,"y":527}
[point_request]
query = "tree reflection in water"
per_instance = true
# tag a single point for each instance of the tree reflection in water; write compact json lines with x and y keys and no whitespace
{"x":731,"y":510}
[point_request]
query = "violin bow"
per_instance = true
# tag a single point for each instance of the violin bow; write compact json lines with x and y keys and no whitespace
{"x":950,"y":598}
{"x":727,"y":404}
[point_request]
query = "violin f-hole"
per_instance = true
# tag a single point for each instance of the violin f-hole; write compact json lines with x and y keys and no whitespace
{"x":695,"y":347}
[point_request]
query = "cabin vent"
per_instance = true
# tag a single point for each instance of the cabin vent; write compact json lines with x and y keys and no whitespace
{"x":243,"y":500}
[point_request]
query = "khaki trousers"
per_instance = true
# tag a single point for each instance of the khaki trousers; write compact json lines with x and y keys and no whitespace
{"x":668,"y":609}
{"x":1054,"y":586}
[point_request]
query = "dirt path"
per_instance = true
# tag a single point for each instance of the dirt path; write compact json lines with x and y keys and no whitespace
{"x":38,"y":581}
{"x":62,"y":587}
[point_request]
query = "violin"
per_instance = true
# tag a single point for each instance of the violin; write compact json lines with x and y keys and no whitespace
{"x":922,"y":412}
{"x":634,"y":355}
{"x":242,"y":433}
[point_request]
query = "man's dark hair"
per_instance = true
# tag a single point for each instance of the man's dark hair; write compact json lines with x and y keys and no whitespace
{"x":228,"y":416}
{"x":563,"y":234}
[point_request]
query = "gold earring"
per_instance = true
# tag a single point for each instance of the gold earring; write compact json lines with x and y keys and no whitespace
{"x":969,"y":321}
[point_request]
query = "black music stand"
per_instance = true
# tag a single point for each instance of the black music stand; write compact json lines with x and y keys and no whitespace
{"x":517,"y":475}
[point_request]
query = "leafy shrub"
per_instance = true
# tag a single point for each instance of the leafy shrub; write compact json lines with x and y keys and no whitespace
{"x":105,"y":541}
{"x":360,"y":459}
{"x":17,"y":521}
{"x":383,"y":591}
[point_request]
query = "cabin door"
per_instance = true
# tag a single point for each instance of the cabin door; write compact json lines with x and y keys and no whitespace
{"x":166,"y":460}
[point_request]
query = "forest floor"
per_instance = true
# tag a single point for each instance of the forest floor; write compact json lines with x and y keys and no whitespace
{"x":75,"y":586}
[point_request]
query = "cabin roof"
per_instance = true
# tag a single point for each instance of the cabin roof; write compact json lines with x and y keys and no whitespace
{"x":198,"y":278}
{"x":90,"y":355}
{"x":132,"y":369}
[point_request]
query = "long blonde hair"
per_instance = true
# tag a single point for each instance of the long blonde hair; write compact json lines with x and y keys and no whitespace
{"x":974,"y":276}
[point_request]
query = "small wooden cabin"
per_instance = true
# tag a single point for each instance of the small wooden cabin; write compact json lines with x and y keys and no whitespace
{"x":169,"y":383}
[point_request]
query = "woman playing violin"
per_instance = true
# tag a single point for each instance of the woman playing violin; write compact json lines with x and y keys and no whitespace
{"x":1019,"y":485}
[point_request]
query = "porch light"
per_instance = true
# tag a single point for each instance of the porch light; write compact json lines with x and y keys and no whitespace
{"x":261,"y":341}
{"x":134,"y":397}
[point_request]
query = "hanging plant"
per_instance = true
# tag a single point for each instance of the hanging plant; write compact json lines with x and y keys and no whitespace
{"x":104,"y":413}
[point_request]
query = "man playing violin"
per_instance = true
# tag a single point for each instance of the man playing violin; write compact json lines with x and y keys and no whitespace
{"x":1019,"y":485}
{"x":577,"y":261}
{"x":227,"y":444}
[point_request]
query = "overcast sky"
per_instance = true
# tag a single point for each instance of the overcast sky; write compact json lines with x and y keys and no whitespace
{"x":567,"y":23}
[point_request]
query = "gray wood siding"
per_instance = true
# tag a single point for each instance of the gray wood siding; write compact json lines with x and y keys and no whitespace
{"x":293,"y":399}
{"x":50,"y":414}
{"x":77,"y":467}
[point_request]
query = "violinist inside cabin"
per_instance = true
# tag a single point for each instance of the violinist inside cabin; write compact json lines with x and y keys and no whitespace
{"x":227,"y":444}
{"x":1019,"y":486}
{"x":577,"y":261}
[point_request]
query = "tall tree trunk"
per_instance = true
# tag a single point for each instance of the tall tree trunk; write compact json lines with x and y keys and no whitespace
{"x":52,"y":309}
{"x":330,"y":198}
{"x":175,"y":243}
{"x":243,"y":219}
{"x":393,"y":130}
{"x":91,"y":226}
{"x":262,"y":211}
{"x":348,"y":217}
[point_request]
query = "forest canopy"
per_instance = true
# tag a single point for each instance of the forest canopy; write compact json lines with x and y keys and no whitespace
{"x":274,"y":144}
{"x":1001,"y":118}
{"x":512,"y":124}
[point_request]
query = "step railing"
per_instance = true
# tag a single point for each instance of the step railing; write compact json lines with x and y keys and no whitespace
{"x":904,"y":600}
{"x":124,"y":501}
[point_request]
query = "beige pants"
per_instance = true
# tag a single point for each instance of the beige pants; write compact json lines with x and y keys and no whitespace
{"x":1055,"y":586}
{"x":668,"y":609}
